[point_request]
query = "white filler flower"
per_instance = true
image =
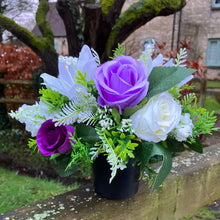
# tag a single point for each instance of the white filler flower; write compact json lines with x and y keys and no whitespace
{"x":157,"y":118}
{"x":184,"y":129}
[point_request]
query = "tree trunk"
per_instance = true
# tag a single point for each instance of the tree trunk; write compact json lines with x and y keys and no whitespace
{"x":69,"y":12}
{"x":50,"y":61}
{"x":107,"y":21}
{"x":92,"y":19}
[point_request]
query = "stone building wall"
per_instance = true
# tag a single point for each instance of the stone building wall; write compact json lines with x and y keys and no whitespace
{"x":199,"y":22}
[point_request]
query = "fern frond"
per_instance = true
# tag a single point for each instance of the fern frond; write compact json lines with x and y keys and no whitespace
{"x":112,"y":158}
{"x":120,"y":50}
{"x":94,"y":152}
{"x":188,"y":99}
{"x":69,"y":114}
{"x":181,"y":58}
{"x":88,"y":117}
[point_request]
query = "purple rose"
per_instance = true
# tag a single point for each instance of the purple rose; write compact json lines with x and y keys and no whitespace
{"x":121,"y":83}
{"x":51,"y":139}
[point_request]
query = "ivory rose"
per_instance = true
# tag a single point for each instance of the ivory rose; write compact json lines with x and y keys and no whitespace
{"x":157,"y":118}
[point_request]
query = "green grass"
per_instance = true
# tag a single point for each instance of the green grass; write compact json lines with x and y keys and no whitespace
{"x":211,"y":104}
{"x":17,"y":190}
{"x":213,"y":84}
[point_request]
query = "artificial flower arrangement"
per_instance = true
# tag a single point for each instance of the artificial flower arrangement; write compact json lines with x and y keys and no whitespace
{"x":123,"y":108}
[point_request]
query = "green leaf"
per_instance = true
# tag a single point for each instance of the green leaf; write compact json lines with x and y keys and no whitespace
{"x":120,"y":142}
{"x":131,"y":110}
{"x":115,"y":133}
{"x":107,"y":133}
{"x":122,"y":136}
{"x":174,"y":145}
{"x":65,"y":172}
{"x":61,"y":165}
{"x":162,"y":79}
{"x":130,"y":154}
{"x":32,"y":143}
{"x":110,"y":142}
{"x":87,"y":133}
{"x":116,"y":115}
{"x":146,"y":151}
{"x":54,"y":156}
{"x":196,"y":146}
{"x":117,"y":149}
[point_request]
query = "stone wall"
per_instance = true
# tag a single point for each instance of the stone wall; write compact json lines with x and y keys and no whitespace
{"x":192,"y":183}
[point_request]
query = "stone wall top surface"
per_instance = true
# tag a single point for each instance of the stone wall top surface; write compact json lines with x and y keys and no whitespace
{"x":193,"y":183}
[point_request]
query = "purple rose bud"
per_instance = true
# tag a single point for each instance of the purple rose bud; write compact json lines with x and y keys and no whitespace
{"x":51,"y":139}
{"x":121,"y":83}
{"x":200,"y":137}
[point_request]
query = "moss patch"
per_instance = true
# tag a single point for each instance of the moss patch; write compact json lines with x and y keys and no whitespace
{"x":106,"y":4}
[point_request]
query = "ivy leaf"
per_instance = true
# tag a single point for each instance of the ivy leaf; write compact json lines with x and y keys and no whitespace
{"x":162,"y":79}
{"x":146,"y":151}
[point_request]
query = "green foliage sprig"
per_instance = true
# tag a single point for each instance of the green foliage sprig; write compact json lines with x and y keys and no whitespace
{"x":32,"y":143}
{"x":80,"y":156}
{"x":175,"y":91}
{"x":123,"y":146}
{"x":120,"y":50}
{"x":53,"y":99}
{"x":81,"y":79}
{"x":203,"y":120}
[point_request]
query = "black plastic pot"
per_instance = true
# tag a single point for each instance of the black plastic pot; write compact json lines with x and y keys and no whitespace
{"x":124,"y":185}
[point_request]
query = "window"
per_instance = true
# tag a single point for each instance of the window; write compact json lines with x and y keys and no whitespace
{"x":56,"y":46}
{"x":213,"y":52}
{"x":215,"y":4}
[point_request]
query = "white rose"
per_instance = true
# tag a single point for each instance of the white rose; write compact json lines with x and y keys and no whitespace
{"x":157,"y":118}
{"x":184,"y":129}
